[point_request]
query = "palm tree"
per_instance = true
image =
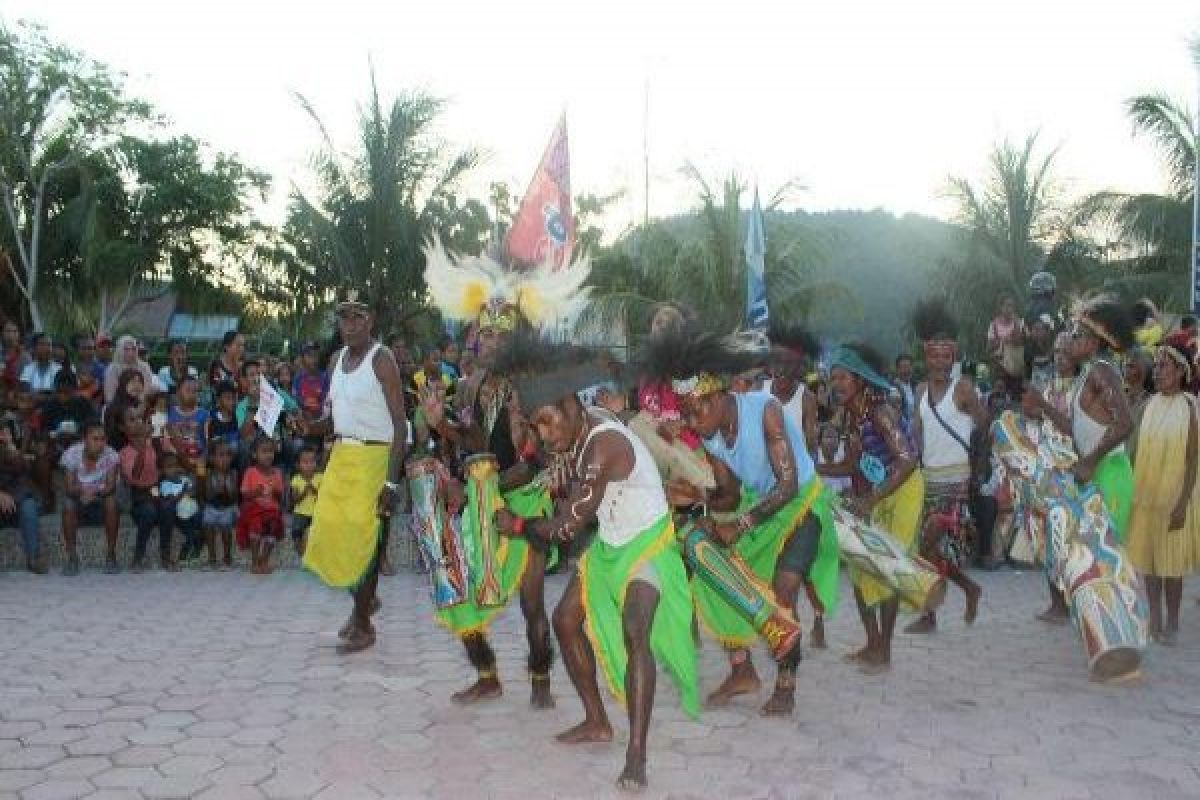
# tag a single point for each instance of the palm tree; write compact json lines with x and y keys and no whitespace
{"x":1155,"y":230}
{"x":374,"y":209}
{"x":698,"y":260}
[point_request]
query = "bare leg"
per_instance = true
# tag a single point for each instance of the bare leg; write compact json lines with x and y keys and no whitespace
{"x":70,"y":529}
{"x":783,"y":699}
{"x":870,"y":624}
{"x":581,"y":667}
{"x":112,"y":522}
{"x":972,"y":591}
{"x":483,"y":659}
{"x":1154,"y":587}
{"x":881,"y":659}
{"x":537,"y":631}
{"x":1173,"y":588}
{"x":818,"y":627}
{"x":362,"y":633}
{"x":227,"y":539}
{"x":1057,"y":613}
{"x":742,"y":679}
{"x":641,"y":601}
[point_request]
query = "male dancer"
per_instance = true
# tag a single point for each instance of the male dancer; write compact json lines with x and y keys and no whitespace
{"x":365,"y":410}
{"x":629,"y":603}
{"x":948,"y":411}
{"x":781,"y":529}
{"x":487,"y":419}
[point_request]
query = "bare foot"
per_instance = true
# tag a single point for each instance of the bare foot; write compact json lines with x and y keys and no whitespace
{"x":633,"y":777}
{"x":344,"y":631}
{"x":482,"y":689}
{"x":586,"y":732}
{"x":818,"y":633}
{"x":1054,"y":615}
{"x":972,"y":611}
{"x":926,"y":623}
{"x":359,"y":639}
{"x":539,"y":695}
{"x":860,"y":655}
{"x":781,"y":703}
{"x":875,"y":663}
{"x":738,"y":682}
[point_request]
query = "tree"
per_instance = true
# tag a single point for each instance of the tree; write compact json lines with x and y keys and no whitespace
{"x":57,"y":107}
{"x":1154,"y":231}
{"x":373,"y":210}
{"x":1011,"y":214}
{"x":698,"y":260}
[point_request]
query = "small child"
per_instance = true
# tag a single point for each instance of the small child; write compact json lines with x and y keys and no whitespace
{"x":260,"y":523}
{"x":220,"y":502}
{"x":176,"y":494}
{"x":139,"y":469}
{"x":187,"y":425}
{"x":305,"y":484}
{"x":158,"y":420}
{"x":222,"y":424}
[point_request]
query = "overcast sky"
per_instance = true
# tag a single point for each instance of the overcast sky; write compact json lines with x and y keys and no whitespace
{"x":868,"y":103}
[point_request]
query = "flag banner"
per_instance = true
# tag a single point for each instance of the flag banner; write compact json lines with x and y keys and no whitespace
{"x":756,"y":269}
{"x":544,"y":227}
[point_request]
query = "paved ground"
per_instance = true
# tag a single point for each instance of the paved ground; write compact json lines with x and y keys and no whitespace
{"x":223,"y":685}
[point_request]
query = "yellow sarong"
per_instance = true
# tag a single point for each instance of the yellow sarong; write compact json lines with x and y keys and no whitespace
{"x":899,"y":515}
{"x":345,"y":528}
{"x":1158,"y":473}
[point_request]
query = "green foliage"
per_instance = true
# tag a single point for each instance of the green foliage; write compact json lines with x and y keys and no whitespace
{"x":372,"y":211}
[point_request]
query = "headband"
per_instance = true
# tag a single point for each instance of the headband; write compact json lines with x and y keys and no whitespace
{"x":698,"y":385}
{"x":851,"y":361}
{"x":1179,"y":358}
{"x":943,"y":346}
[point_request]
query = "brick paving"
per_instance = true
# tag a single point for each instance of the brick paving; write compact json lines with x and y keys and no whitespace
{"x":223,"y":685}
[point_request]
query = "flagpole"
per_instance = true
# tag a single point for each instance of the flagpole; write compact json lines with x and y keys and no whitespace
{"x":646,"y":153}
{"x":1196,"y":204}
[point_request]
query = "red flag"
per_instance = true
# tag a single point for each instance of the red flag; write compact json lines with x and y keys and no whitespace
{"x":544,"y":226}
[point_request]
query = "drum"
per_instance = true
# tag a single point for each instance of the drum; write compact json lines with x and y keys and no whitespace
{"x":436,"y":533}
{"x":872,"y":552}
{"x":741,"y":588}
{"x":483,"y":501}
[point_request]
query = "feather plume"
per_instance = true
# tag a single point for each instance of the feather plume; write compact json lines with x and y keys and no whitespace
{"x":677,"y":354}
{"x":931,"y":318}
{"x":544,"y":371}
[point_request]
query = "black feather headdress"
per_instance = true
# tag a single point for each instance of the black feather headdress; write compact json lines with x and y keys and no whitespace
{"x":684,"y":355}
{"x":544,"y":371}
{"x":931,"y":320}
{"x":1110,"y":320}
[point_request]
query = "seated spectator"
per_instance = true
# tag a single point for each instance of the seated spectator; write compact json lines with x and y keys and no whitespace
{"x":127,"y":359}
{"x":158,"y":420}
{"x":451,"y":353}
{"x":252,"y":382}
{"x":220,"y":495}
{"x":222,"y":422}
{"x":131,"y":394}
{"x":65,"y":413}
{"x":15,"y":358}
{"x":311,"y":383}
{"x":30,"y":437}
{"x":187,"y":427}
{"x":40,"y":372}
{"x":89,"y":371}
{"x":58,"y":353}
{"x":304,"y":487}
{"x":1006,"y":340}
{"x":139,"y":470}
{"x":260,"y":520}
{"x":227,"y":366}
{"x":104,"y":351}
{"x":176,"y":369}
{"x":90,"y":470}
{"x":177,"y":497}
{"x":18,"y":503}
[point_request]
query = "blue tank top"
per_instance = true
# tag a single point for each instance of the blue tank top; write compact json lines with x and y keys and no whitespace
{"x":748,"y":458}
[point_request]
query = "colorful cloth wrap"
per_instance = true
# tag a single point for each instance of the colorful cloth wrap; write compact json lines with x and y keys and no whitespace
{"x":605,"y":573}
{"x":530,"y":501}
{"x":899,"y":515}
{"x":951,"y":544}
{"x":759,"y":548}
{"x":345,"y":527}
{"x":1114,"y":480}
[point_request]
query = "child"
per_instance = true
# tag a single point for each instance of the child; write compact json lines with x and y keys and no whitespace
{"x":178,"y":505}
{"x":186,"y":427}
{"x":222,"y":424}
{"x":158,"y":420}
{"x":139,"y":469}
{"x":305,"y":484}
{"x":220,"y":502}
{"x":830,"y":450}
{"x":1006,"y":340}
{"x":260,"y":523}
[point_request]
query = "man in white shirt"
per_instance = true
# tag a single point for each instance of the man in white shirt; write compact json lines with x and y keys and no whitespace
{"x":41,"y":372}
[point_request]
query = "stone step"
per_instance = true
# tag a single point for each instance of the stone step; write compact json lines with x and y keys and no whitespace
{"x":401,"y":547}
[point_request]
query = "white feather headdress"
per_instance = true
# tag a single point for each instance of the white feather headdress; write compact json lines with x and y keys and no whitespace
{"x":466,"y":287}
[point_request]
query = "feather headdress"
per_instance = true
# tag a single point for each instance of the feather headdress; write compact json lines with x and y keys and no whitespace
{"x":931,"y":320}
{"x":480,"y":289}
{"x":794,"y":342}
{"x":544,"y":371}
{"x":695,"y":361}
{"x":1107,"y":318}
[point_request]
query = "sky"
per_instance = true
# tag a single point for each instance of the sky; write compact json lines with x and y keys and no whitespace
{"x":867,"y":103}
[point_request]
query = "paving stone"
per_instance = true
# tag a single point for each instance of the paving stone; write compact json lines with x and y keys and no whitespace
{"x":31,"y":757}
{"x":79,"y":767}
{"x":58,"y":790}
{"x":13,"y":779}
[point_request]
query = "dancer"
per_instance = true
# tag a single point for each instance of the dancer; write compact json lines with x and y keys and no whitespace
{"x":887,"y":487}
{"x":763,"y":472}
{"x":1164,"y":527}
{"x":365,"y":411}
{"x":1099,"y":419}
{"x":948,"y":412}
{"x":628,"y":604}
{"x":487,"y":419}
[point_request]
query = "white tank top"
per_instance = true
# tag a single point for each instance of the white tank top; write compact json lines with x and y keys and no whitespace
{"x":1086,"y":431}
{"x":940,"y":451}
{"x":630,"y":506}
{"x":360,"y":410}
{"x":794,"y":407}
